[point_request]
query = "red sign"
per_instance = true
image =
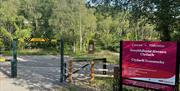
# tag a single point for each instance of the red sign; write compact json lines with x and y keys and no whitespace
{"x":153,"y":62}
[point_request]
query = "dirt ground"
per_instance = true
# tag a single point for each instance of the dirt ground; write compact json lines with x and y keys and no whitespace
{"x":35,"y":73}
{"x":7,"y":84}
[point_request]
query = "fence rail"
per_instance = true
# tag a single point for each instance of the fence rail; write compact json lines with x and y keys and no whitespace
{"x":93,"y":69}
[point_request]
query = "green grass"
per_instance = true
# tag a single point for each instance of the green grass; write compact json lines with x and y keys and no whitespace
{"x":32,"y":52}
{"x":70,"y":87}
{"x":104,"y":84}
{"x":112,"y":57}
{"x":100,"y":84}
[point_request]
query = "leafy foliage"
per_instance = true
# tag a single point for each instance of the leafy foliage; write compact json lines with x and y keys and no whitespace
{"x":79,"y":21}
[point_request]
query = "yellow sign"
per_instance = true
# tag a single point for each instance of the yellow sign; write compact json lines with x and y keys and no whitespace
{"x":39,"y":40}
{"x":2,"y":59}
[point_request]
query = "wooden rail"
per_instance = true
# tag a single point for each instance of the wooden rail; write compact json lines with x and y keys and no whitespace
{"x":91,"y":61}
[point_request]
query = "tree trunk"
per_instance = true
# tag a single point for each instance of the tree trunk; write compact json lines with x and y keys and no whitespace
{"x":165,"y":17}
{"x":80,"y":29}
{"x":165,"y":35}
{"x":74,"y":47}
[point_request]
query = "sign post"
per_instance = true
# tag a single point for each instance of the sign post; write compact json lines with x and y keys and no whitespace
{"x":120,"y":67}
{"x":150,"y":65}
{"x":177,"y":66}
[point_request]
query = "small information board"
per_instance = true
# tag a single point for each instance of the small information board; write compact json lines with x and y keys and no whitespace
{"x":39,"y":40}
{"x":151,"y":65}
{"x":91,"y":48}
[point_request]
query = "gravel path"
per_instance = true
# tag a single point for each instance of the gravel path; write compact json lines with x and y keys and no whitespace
{"x":7,"y":84}
{"x":36,"y":73}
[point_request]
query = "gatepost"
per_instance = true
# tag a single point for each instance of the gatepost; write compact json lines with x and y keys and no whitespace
{"x":14,"y":61}
{"x":62,"y":75}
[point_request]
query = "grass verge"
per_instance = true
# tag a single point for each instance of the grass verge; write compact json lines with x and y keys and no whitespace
{"x":32,"y":52}
{"x":100,"y":84}
{"x":112,"y":57}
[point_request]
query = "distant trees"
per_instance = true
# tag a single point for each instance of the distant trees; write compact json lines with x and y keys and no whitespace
{"x":116,"y":21}
{"x":164,"y":14}
{"x":74,"y":22}
{"x":79,"y":21}
{"x":11,"y":23}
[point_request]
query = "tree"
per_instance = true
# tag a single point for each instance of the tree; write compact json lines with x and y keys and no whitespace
{"x":12,"y":22}
{"x":38,"y":13}
{"x":73,"y":21}
{"x":162,"y":12}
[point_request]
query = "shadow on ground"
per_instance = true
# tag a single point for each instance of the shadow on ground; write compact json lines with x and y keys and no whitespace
{"x":37,"y":73}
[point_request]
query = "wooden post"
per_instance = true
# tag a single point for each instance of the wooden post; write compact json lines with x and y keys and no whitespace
{"x":70,"y":71}
{"x":92,"y":72}
{"x":116,"y":79}
{"x":116,"y":73}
